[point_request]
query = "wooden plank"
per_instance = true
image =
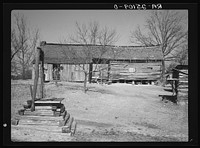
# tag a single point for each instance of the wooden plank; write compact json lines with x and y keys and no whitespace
{"x":33,"y":117}
{"x":48,"y":102}
{"x":43,"y":107}
{"x":38,"y":122}
{"x":54,"y":128}
{"x":50,"y":69}
{"x":51,"y":99}
{"x":39,"y":113}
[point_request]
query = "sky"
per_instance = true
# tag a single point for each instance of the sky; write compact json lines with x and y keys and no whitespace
{"x":56,"y":25}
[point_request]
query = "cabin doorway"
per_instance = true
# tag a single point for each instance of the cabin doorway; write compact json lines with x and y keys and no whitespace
{"x":56,"y":72}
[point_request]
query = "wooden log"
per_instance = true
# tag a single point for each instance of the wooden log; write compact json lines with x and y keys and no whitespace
{"x":45,"y":128}
{"x":46,"y":102}
{"x":39,"y":113}
{"x":34,"y":117}
{"x":69,"y":123}
{"x":43,"y":108}
{"x":31,"y":90}
{"x":38,"y":122}
{"x":66,"y":118}
{"x":37,"y":59}
{"x":73,"y":128}
{"x":52,"y":99}
{"x":42,"y":74}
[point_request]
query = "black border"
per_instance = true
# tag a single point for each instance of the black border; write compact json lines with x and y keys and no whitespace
{"x":193,"y":67}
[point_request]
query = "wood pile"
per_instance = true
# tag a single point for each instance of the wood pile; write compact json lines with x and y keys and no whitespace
{"x":50,"y":115}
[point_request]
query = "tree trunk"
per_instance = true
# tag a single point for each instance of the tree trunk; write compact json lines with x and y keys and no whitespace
{"x":42,"y":80}
{"x":23,"y":67}
{"x":101,"y":72}
{"x":90,"y":72}
{"x":163,"y":73}
{"x":37,"y":59}
{"x":56,"y":82}
{"x":23,"y":72}
{"x":85,"y":82}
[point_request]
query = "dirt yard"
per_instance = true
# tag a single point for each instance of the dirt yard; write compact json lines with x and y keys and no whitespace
{"x":117,"y":112}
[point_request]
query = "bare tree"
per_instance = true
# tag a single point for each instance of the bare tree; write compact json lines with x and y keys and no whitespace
{"x":23,"y":43}
{"x":181,"y":56}
{"x":164,"y":28}
{"x":90,"y":35}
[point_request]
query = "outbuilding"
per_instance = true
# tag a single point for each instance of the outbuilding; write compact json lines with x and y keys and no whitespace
{"x":127,"y":64}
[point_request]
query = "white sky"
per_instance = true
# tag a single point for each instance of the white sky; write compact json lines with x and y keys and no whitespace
{"x":56,"y":25}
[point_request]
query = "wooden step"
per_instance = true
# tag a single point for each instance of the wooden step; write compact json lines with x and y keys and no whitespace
{"x":45,"y":101}
{"x":38,"y":122}
{"x":33,"y":117}
{"x":39,"y":112}
{"x":54,"y":128}
{"x":43,"y":107}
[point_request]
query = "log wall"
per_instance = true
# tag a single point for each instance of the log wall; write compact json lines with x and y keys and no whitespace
{"x":134,"y":71}
{"x":115,"y":70}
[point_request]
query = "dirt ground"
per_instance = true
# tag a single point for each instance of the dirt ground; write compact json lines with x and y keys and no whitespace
{"x":116,"y":112}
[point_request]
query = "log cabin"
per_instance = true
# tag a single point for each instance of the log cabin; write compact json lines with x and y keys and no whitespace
{"x":126,"y":64}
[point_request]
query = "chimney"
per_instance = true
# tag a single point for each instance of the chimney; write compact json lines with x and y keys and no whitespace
{"x":42,"y":43}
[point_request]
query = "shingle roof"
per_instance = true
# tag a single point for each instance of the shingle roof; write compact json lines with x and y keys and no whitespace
{"x":65,"y":53}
